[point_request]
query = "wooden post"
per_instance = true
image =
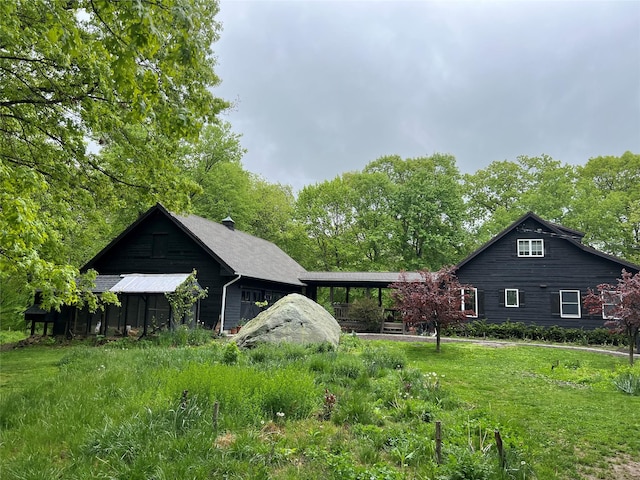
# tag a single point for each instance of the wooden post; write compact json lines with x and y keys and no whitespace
{"x":439,"y":442}
{"x":145,"y":298}
{"x":216,"y":411}
{"x":499,"y":447}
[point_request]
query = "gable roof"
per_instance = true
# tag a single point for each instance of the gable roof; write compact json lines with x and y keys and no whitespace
{"x":572,"y":236}
{"x":238,"y":252}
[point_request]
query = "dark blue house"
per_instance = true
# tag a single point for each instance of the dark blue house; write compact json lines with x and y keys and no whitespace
{"x":537,"y":272}
{"x":147,"y":260}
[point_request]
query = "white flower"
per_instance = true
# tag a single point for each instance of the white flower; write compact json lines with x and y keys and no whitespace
{"x":280,"y":414}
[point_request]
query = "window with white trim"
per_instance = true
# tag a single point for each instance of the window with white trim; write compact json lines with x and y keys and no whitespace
{"x":511,"y":298}
{"x":531,"y":247}
{"x":610,"y":299}
{"x":570,"y":303}
{"x":470,"y":301}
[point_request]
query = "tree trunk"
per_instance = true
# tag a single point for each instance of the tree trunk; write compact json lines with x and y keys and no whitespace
{"x":437,"y":339}
{"x":633,"y":338}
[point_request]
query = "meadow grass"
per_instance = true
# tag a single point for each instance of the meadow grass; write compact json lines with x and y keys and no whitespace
{"x":365,"y":410}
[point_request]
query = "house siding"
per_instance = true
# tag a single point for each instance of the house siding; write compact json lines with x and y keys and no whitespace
{"x":564,"y":266}
{"x":135,"y":254}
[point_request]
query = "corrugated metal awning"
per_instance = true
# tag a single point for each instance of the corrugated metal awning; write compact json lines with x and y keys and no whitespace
{"x":149,"y":283}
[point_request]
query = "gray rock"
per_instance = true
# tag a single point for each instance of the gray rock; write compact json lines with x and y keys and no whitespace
{"x":294,"y":319}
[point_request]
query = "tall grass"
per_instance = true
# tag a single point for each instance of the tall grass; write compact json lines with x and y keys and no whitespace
{"x":364,"y":410}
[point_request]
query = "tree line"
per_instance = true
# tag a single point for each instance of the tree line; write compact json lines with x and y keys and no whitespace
{"x":107,"y":108}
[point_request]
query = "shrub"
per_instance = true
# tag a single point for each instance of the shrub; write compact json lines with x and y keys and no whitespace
{"x":628,"y":382}
{"x":521,"y":331}
{"x":367,"y":311}
{"x":231,"y":353}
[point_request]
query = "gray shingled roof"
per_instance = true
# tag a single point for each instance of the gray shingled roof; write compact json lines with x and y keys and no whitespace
{"x":103,"y":283}
{"x":245,"y":254}
{"x":357,"y":278}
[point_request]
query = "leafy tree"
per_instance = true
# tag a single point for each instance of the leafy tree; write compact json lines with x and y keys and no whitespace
{"x":502,"y":192}
{"x":608,"y":204}
{"x":131,"y":78}
{"x":427,"y":207}
{"x":434,"y":300}
{"x":214,"y":163}
{"x":325,"y":210}
{"x":621,"y":305}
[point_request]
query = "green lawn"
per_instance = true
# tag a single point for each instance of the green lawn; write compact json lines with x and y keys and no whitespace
{"x":146,"y":411}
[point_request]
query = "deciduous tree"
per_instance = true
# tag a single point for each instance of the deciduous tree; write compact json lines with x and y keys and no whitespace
{"x":620,"y":304}
{"x":607,"y":207}
{"x":436,"y":299}
{"x":77,"y":76}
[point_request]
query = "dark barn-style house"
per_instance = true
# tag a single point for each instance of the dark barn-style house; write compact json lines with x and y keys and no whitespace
{"x":158,"y":251}
{"x":537,"y":272}
{"x":534,"y":272}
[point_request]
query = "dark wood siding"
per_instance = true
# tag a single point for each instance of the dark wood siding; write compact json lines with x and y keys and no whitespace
{"x":564,"y":266}
{"x":174,"y":252}
{"x":232,"y":315}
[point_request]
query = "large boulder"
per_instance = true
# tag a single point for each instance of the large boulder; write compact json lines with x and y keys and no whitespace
{"x":294,"y":319}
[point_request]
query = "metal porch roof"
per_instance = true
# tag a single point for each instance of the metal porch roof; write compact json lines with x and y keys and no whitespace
{"x":149,"y":283}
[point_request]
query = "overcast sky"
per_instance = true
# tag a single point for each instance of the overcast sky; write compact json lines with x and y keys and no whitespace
{"x":325,"y":87}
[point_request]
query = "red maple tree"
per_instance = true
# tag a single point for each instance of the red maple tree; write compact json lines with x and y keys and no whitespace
{"x":620,"y":305}
{"x":435,"y":299}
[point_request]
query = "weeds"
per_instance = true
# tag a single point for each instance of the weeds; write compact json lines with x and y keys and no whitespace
{"x":361,"y":411}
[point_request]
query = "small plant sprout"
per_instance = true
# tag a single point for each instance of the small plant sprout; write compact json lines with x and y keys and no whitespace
{"x":329,"y":403}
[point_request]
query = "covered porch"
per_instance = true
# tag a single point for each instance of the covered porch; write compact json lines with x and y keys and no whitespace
{"x":341,"y":286}
{"x":144,"y":308}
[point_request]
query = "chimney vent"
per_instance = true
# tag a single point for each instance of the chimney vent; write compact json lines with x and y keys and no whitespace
{"x":229,"y":223}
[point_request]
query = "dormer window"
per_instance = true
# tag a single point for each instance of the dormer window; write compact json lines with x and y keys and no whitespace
{"x":530,"y":248}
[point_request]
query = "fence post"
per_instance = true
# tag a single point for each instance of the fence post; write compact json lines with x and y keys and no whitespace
{"x":499,"y":447}
{"x":439,"y":442}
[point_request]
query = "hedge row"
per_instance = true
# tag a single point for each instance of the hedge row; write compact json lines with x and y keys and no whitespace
{"x":521,"y":331}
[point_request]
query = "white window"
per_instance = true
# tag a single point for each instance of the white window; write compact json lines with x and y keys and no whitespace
{"x":609,"y":301}
{"x":530,"y":248}
{"x":470,"y":301}
{"x":570,"y":303}
{"x":511,"y":297}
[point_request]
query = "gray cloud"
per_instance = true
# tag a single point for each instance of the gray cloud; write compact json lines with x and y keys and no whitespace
{"x":326,"y":87}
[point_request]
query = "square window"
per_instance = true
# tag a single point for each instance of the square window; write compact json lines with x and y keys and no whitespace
{"x":570,"y":303}
{"x":530,"y":248}
{"x":511,"y":297}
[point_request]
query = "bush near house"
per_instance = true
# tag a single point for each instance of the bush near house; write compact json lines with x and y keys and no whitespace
{"x":522,"y":331}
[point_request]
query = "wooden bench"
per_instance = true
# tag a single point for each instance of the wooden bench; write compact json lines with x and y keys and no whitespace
{"x":392,"y":327}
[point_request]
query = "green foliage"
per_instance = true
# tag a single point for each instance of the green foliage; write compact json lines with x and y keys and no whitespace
{"x":628,"y":382}
{"x":367,"y":311}
{"x":147,"y":411}
{"x":184,"y":298}
{"x":131,"y":79}
{"x":601,"y":198}
{"x":231,"y":353}
{"x":522,"y":331}
{"x":394,"y":214}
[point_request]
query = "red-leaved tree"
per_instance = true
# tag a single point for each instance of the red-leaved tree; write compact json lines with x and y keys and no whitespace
{"x":435,"y":299}
{"x":621,"y":305}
